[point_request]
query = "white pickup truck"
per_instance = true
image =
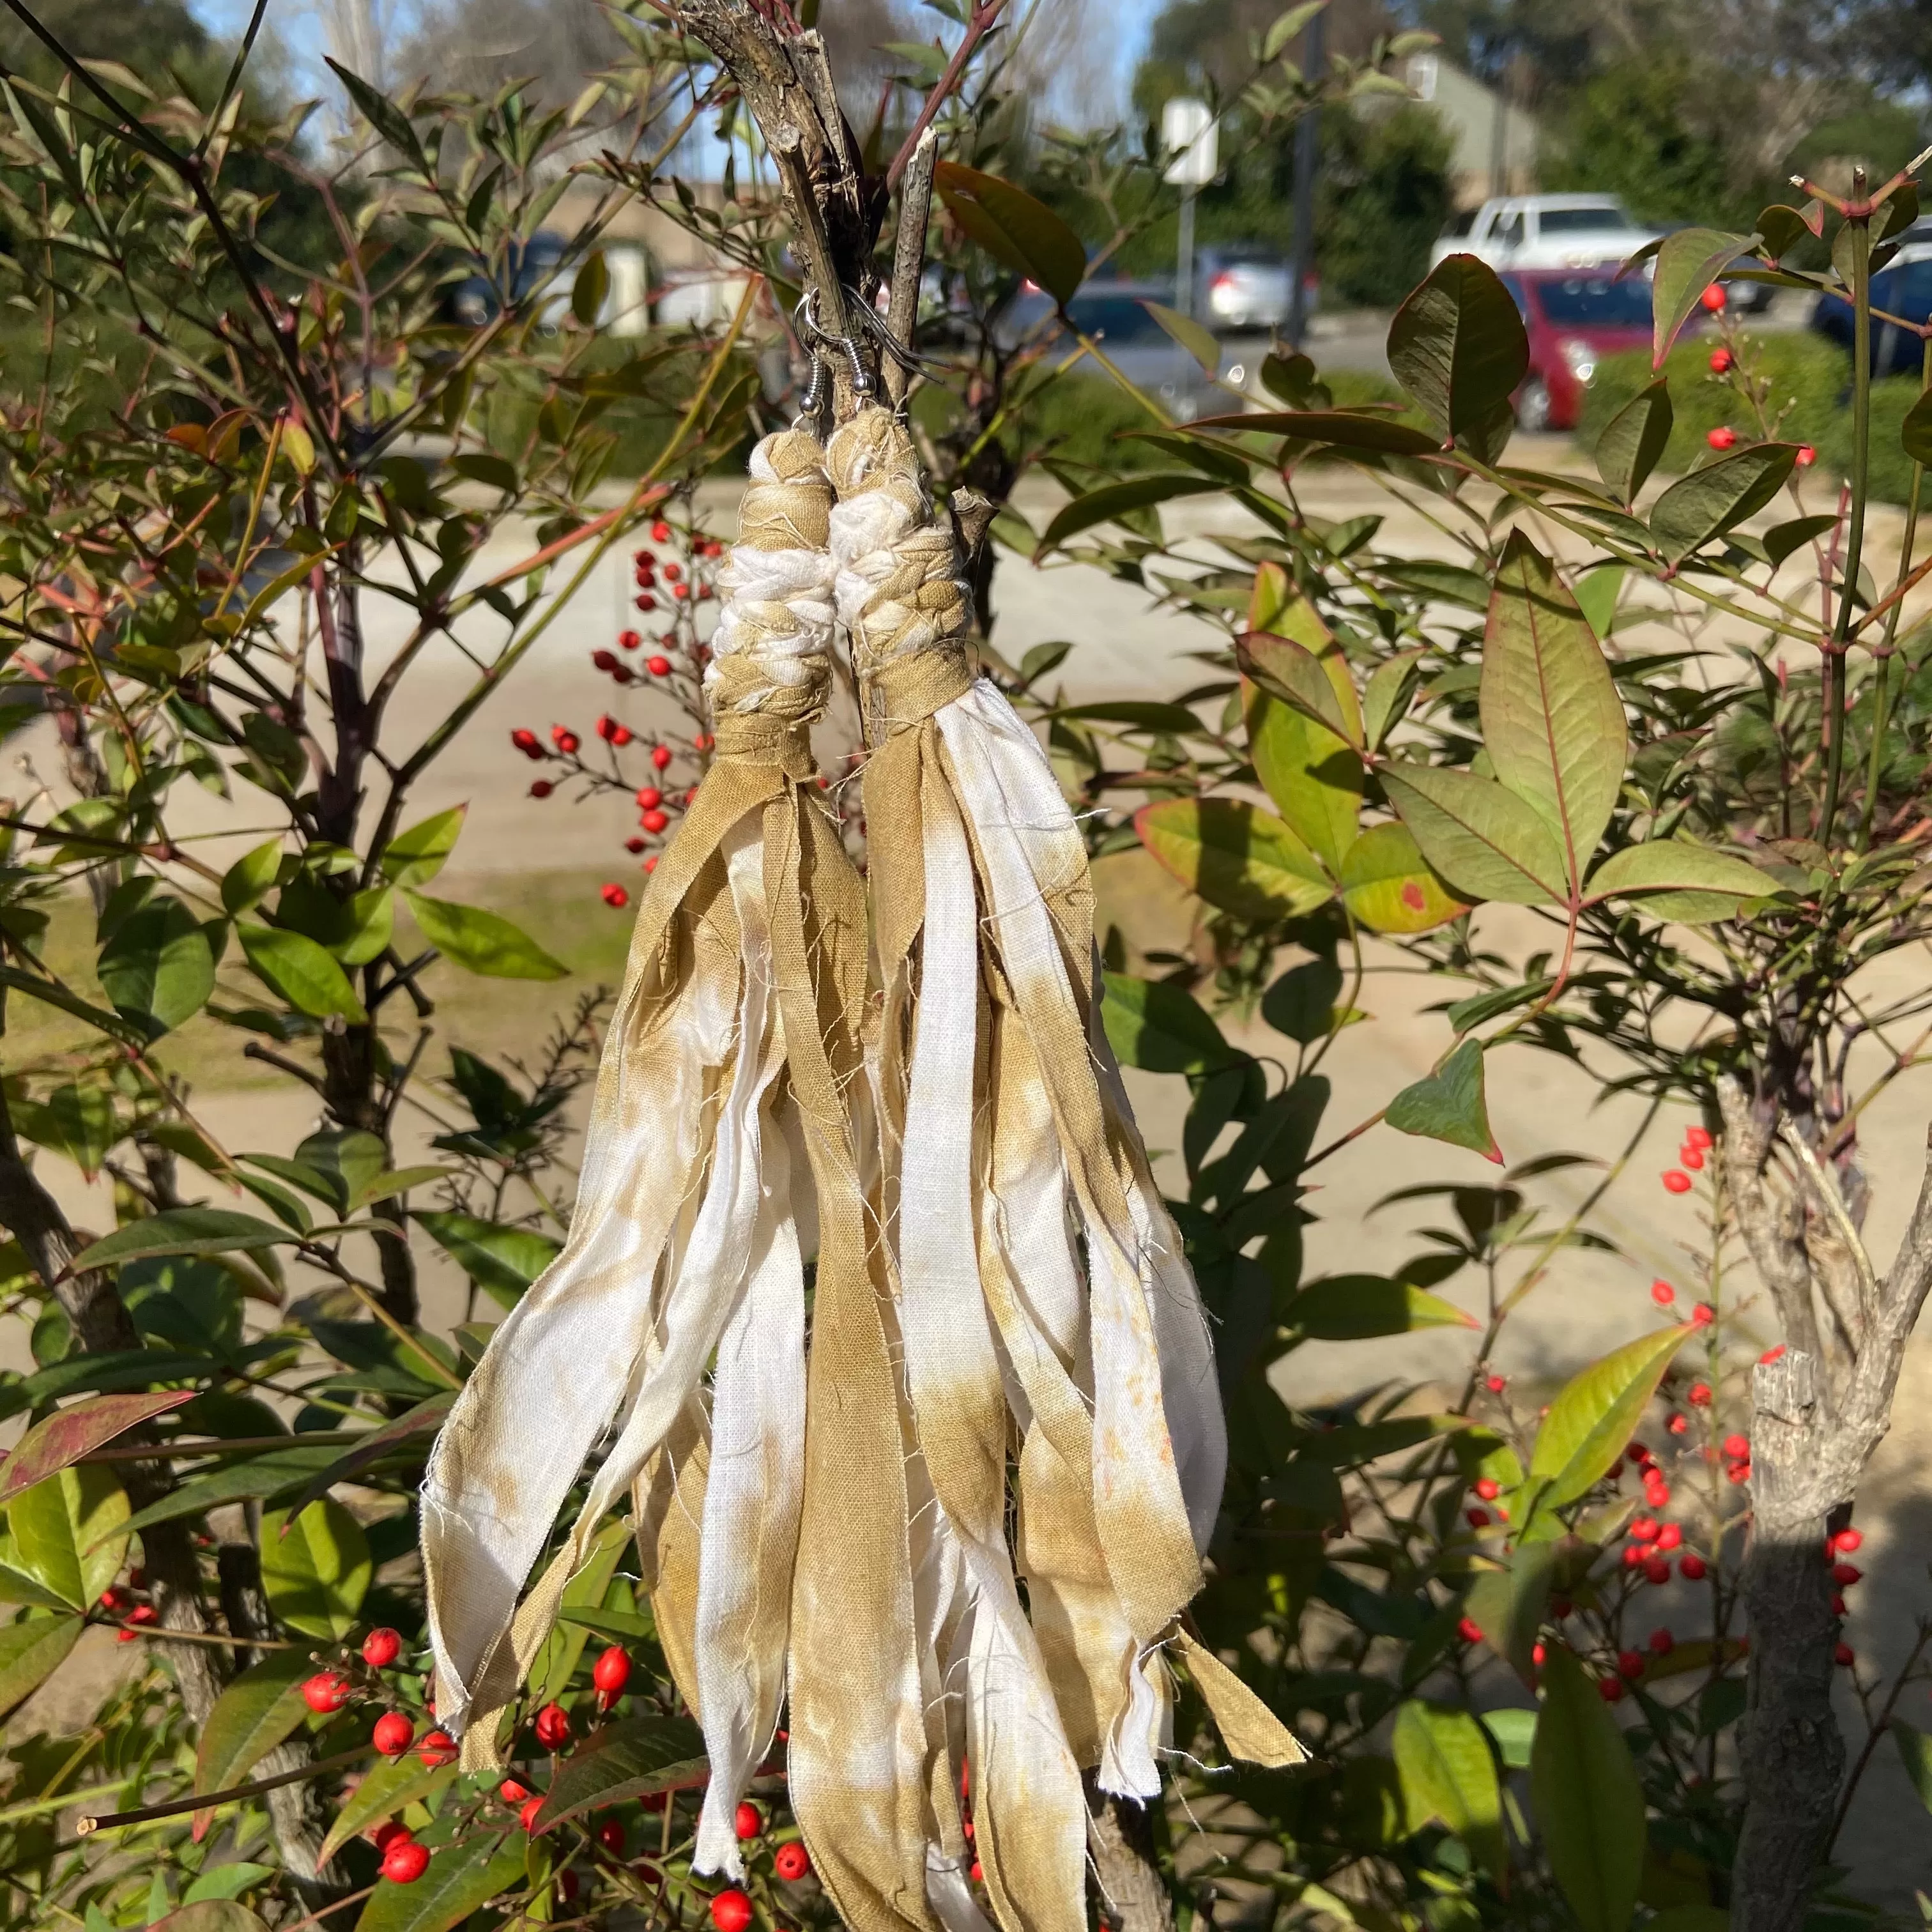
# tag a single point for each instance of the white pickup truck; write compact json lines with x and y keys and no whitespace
{"x":1545,"y":231}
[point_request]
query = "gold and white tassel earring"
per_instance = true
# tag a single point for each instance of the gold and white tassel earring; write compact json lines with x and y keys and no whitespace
{"x":718,"y":1156}
{"x":1040,"y":1287}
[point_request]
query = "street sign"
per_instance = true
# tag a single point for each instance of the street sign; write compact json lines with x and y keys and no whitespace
{"x":1191,"y":136}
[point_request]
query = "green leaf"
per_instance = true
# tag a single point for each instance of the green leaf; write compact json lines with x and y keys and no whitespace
{"x":485,"y":943}
{"x":158,"y":968}
{"x":258,"y":1478}
{"x":1778,"y":228}
{"x":591,"y":285}
{"x":1457,"y":346}
{"x":1515,"y":1733}
{"x":1681,"y":881}
{"x":1342,"y":429}
{"x":381,"y":114}
{"x":35,"y":986}
{"x":1485,"y":841}
{"x":1113,"y":500}
{"x":386,"y":1791}
{"x":1633,"y":440}
{"x":1448,"y":1769}
{"x":183,"y":1231}
{"x":557,"y":1657}
{"x":1509,"y":1604}
{"x":1014,"y":228}
{"x":634,"y":1758}
{"x":424,"y":1417}
{"x":252,"y":877}
{"x":302,"y":972}
{"x":1286,"y":29}
{"x":1590,"y":1423}
{"x":1552,"y":722}
{"x":1311,"y":775}
{"x":57,"y":1442}
{"x":1199,"y":341}
{"x":1448,"y":1105}
{"x":1301,"y":1002}
{"x":315,"y":1568}
{"x":1915,"y":1752}
{"x":77,"y":1121}
{"x":1237,"y":856}
{"x":414,"y":857}
{"x":1715,"y":498}
{"x":31,"y":1652}
{"x":1596,"y":593}
{"x":1782,"y":539}
{"x":1358,"y":1307}
{"x":462,"y":1878}
{"x":252,"y":1715}
{"x":1584,"y":1790}
{"x":1915,"y":433}
{"x":1307,"y":673}
{"x":226,"y":1883}
{"x":1688,"y":263}
{"x":1387,"y":885}
{"x":69,"y":1533}
{"x":502,"y":1261}
{"x":1161,"y":1028}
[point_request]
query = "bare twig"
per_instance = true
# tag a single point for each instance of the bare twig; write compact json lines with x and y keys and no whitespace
{"x":909,"y":262}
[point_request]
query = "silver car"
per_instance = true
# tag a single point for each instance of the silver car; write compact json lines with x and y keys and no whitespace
{"x":1244,"y":291}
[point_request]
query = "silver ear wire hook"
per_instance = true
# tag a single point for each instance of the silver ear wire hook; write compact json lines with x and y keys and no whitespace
{"x":806,"y":314}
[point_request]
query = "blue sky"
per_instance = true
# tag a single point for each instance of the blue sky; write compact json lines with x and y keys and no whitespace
{"x":298,"y":25}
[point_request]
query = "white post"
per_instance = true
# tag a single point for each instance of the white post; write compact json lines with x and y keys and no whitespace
{"x":1190,"y":135}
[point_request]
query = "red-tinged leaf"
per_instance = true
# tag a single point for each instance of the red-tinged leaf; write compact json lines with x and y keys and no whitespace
{"x":62,"y":1439}
{"x":1688,"y":263}
{"x":1014,"y":228}
{"x":261,"y":1707}
{"x":1342,"y":429}
{"x":1243,"y":860}
{"x":632,"y":1759}
{"x":1457,"y":345}
{"x":462,"y":1878}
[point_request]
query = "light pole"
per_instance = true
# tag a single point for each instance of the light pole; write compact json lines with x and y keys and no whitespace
{"x":1190,"y":136}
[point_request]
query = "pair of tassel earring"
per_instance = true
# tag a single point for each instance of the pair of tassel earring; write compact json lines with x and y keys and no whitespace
{"x":1009,"y":1380}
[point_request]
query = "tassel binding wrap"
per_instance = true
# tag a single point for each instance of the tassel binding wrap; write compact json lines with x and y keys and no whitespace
{"x":1044,"y":1304}
{"x":718,"y":1157}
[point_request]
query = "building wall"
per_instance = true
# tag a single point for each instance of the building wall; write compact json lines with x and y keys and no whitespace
{"x":1495,"y":142}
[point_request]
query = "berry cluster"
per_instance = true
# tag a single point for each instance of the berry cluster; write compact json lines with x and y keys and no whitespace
{"x":1724,"y":364}
{"x":669,"y":659}
{"x":127,"y":1604}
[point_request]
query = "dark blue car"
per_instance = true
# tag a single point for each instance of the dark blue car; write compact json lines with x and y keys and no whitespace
{"x":1902,"y":288}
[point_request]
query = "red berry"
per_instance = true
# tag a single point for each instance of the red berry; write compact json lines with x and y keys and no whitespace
{"x":749,"y":1821}
{"x":563,"y":738}
{"x":1693,"y":1569}
{"x":1610,"y":1689}
{"x":1720,"y":362}
{"x":791,"y":1862}
{"x":1713,"y":298}
{"x":386,"y":1834}
{"x":1469,"y":1630}
{"x":1662,"y":1643}
{"x":660,"y":666}
{"x":1700,"y":1395}
{"x":680,"y":591}
{"x":1629,"y":1664}
{"x":552,"y":1727}
{"x":610,"y":1836}
{"x":660,"y":531}
{"x":511,"y":1792}
{"x":660,"y":756}
{"x":651,"y":863}
{"x":622,"y":734}
{"x":653,"y":821}
{"x":648,"y":796}
{"x":644,"y":600}
{"x":1656,"y":1569}
{"x":437,"y":1749}
{"x":1698,"y":1137}
{"x":1538,"y":1655}
{"x":1479,"y":1519}
{"x":1488,"y":1488}
{"x":975,"y":1873}
{"x":1676,"y":1182}
{"x":612,"y":1671}
{"x":527,"y":1816}
{"x":1723,"y":437}
{"x":607,"y":728}
{"x":1678,"y":1424}
{"x":1845,"y":1574}
{"x":673,"y":572}
{"x":1663,"y":1294}
{"x":541,"y":787}
{"x":405,"y":1861}
{"x":614,"y":896}
{"x":1690,"y":1157}
{"x":1771,"y":1355}
{"x":1807,"y":456}
{"x":1643,"y":1530}
{"x":528,"y":743}
{"x":1738,"y":1448}
{"x":702,"y":742}
{"x":1837,"y":1605}
{"x":1633,"y":1554}
{"x":1657,"y":1495}
{"x":1703,"y":1315}
{"x":1848,"y":1540}
{"x":629,"y":640}
{"x":1669,"y":1537}
{"x":731,"y":1910}
{"x":393,"y":1734}
{"x":1739,"y":1472}
{"x":604,"y":660}
{"x":325,"y":1692}
{"x":1844,"y":1655}
{"x":381,"y":1647}
{"x":633,"y":845}
{"x":1496,"y":1384}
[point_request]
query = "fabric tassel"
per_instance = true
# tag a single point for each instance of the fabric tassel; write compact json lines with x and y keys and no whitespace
{"x":717,"y":1159}
{"x":1044,"y":1303}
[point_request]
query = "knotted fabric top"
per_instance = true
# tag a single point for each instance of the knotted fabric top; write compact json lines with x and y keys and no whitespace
{"x":770,"y":675}
{"x":899,"y":590}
